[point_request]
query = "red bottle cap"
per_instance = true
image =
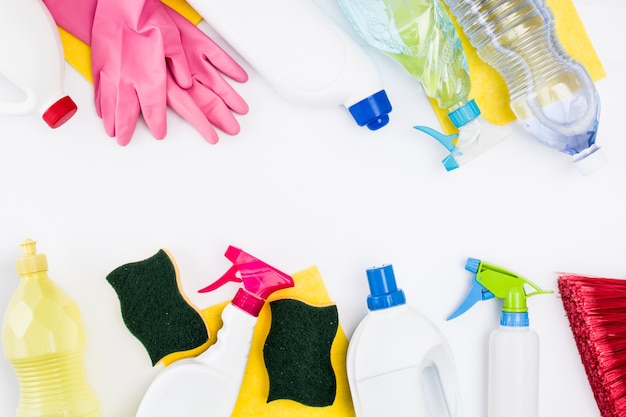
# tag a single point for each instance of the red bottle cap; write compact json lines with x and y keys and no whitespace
{"x":60,"y":112}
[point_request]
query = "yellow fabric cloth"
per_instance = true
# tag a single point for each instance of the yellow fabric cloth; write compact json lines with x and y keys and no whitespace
{"x":488,"y":87}
{"x":252,"y":401}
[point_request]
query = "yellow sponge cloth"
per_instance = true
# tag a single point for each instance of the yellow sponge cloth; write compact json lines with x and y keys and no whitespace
{"x":252,"y":401}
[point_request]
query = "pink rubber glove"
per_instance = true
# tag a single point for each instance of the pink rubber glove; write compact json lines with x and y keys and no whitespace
{"x":193,"y":87}
{"x":209,"y":89}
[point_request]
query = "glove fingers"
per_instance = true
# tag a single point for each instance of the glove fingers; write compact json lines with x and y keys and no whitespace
{"x":154,"y":110}
{"x":126,"y":114}
{"x":105,"y":100}
{"x":202,"y":48}
{"x":219,"y":59}
{"x":214,"y":109}
{"x":175,"y":56}
{"x":183,"y":104}
{"x":225,"y":91}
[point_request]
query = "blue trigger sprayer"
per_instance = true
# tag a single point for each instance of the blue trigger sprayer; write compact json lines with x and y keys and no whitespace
{"x":513,"y":383}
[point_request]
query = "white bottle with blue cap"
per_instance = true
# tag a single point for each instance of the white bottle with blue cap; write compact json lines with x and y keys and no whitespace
{"x":300,"y":51}
{"x":398,"y":362}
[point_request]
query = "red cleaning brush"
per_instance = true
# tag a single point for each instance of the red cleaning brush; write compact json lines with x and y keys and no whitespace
{"x":596,"y":310}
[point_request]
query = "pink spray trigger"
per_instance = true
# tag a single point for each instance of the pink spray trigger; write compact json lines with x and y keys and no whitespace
{"x":259,"y":280}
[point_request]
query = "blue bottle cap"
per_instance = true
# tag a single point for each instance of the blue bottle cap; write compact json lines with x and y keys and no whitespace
{"x":383,"y":290}
{"x":514,"y":319}
{"x":450,"y":163}
{"x":464,"y":114}
{"x":372,"y":111}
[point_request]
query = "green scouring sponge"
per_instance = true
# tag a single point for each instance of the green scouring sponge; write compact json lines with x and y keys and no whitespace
{"x":297,"y":353}
{"x":155,"y":310}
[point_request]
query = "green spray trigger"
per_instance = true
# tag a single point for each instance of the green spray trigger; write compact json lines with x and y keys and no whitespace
{"x":492,"y":281}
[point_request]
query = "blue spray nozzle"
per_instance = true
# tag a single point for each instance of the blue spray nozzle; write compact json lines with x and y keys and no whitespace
{"x":477,"y":293}
{"x":448,"y":141}
{"x":472,"y":265}
{"x":384,"y":292}
{"x":492,"y":281}
{"x":476,"y":135}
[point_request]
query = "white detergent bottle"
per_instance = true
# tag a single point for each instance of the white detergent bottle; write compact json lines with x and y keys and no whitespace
{"x":209,"y":384}
{"x":307,"y":58}
{"x":31,"y":58}
{"x":398,"y":362}
{"x":513,"y":377}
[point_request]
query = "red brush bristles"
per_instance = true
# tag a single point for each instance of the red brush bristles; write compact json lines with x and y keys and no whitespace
{"x":596,"y":310}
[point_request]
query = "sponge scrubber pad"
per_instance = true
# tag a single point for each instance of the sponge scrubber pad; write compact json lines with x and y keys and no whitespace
{"x":155,"y":310}
{"x":297,"y":352}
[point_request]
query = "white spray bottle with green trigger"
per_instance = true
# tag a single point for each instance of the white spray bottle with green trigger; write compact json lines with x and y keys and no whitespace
{"x":513,"y":380}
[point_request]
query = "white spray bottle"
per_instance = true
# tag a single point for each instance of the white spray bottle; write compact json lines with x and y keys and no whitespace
{"x":307,"y":58}
{"x":513,"y":382}
{"x":209,"y":384}
{"x":398,"y":362}
{"x":31,"y":58}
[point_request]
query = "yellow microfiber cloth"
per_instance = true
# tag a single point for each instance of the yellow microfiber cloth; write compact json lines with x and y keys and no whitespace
{"x":252,"y":401}
{"x":488,"y":87}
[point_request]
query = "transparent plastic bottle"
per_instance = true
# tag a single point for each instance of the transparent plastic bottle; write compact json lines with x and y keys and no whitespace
{"x":419,"y":35}
{"x":44,"y":341}
{"x":31,"y":58}
{"x":551,"y":94}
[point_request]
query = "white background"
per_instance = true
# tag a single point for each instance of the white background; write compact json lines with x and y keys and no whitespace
{"x":302,"y":186}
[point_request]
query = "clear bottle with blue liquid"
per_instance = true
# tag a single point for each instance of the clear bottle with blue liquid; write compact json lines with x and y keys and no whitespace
{"x":551,"y":94}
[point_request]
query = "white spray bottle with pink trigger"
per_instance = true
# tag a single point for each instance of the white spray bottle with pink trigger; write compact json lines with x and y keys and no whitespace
{"x":209,"y":384}
{"x":31,"y":58}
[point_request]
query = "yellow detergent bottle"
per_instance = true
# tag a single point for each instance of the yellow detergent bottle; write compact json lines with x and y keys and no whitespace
{"x":44,"y":341}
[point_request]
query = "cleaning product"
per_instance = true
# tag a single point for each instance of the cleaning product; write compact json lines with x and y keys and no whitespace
{"x":595,"y":309}
{"x":253,"y":396}
{"x":44,"y":341}
{"x":398,"y":362}
{"x":302,"y":53}
{"x":551,"y":94}
{"x":156,"y":311}
{"x":420,"y":36}
{"x":209,"y":383}
{"x":513,"y":382}
{"x":31,"y":58}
